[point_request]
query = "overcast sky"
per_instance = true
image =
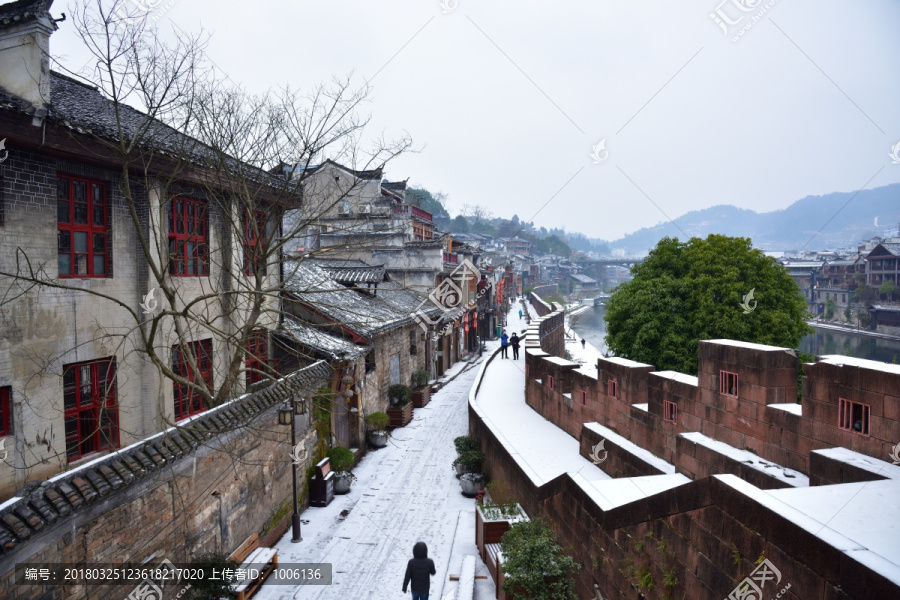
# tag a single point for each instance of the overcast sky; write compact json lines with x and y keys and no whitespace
{"x":507,"y":99}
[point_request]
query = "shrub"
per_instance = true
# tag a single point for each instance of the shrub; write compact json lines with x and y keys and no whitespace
{"x":535,"y":566}
{"x":465,"y":443}
{"x":400,"y":394}
{"x":377,"y":421}
{"x":210,"y":585}
{"x":419,"y":379}
{"x":472,"y":461}
{"x":341,"y":458}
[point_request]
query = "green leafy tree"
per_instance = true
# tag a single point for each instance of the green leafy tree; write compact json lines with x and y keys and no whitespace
{"x":829,"y":307}
{"x":887,"y":288}
{"x":865,"y":294}
{"x":535,"y":565}
{"x":848,"y":314}
{"x":685,"y":292}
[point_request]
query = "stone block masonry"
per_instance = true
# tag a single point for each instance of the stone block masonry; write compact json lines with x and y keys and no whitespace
{"x":204,"y":487}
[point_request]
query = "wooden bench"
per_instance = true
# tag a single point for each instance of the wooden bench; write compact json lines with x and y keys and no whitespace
{"x":491,"y":552}
{"x":249,"y":553}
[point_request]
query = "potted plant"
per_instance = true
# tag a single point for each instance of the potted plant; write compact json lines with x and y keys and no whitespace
{"x":341,"y":460}
{"x":401,"y":410}
{"x":471,"y":483}
{"x":376,"y":429}
{"x":469,"y":462}
{"x":421,"y":393}
{"x":496,"y":515}
{"x":465,"y":443}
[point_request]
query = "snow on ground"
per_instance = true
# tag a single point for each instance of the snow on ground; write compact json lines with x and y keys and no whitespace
{"x":546,"y":449}
{"x":587,"y":356}
{"x":788,"y":476}
{"x":405,"y":493}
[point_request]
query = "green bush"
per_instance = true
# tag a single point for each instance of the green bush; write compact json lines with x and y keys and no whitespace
{"x":419,"y":379}
{"x":465,"y":443}
{"x":207,"y":586}
{"x":535,"y":565}
{"x":341,"y":458}
{"x":399,"y":394}
{"x":377,"y":421}
{"x":472,"y":461}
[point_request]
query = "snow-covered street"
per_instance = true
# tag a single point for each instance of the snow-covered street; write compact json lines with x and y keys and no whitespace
{"x":405,"y":493}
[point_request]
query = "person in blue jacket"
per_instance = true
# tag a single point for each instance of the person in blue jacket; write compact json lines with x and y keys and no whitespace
{"x":504,"y":345}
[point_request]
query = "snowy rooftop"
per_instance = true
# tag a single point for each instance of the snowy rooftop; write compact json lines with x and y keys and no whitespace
{"x":751,"y":345}
{"x":562,"y":362}
{"x":862,"y":363}
{"x":610,"y":493}
{"x":788,"y":476}
{"x":632,"y":448}
{"x":676,"y":376}
{"x":625,"y":362}
{"x":321,"y":341}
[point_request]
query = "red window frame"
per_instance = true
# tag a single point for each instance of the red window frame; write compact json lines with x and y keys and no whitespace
{"x":5,"y":411}
{"x":728,"y":383}
{"x":188,"y":237}
{"x":258,"y":363}
{"x":612,"y":388}
{"x":849,"y":412}
{"x":90,"y":410}
{"x":187,"y":400}
{"x":254,"y":247}
{"x":583,"y":398}
{"x":82,"y":213}
{"x":550,"y":381}
{"x":670,"y":411}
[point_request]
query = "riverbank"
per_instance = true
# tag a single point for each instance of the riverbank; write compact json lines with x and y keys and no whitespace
{"x":850,"y":329}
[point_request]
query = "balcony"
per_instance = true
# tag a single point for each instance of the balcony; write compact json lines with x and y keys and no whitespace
{"x":409,"y":209}
{"x":451,"y":258}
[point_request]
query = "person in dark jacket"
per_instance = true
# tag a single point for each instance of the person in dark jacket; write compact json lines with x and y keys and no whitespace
{"x":418,"y":572}
{"x":504,"y":345}
{"x":514,"y":342}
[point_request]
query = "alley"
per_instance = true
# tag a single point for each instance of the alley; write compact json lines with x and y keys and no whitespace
{"x":405,"y":493}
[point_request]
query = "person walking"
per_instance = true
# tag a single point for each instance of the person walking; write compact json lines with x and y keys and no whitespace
{"x":520,"y":314}
{"x":514,"y":342}
{"x":582,"y":342}
{"x":418,"y":572}
{"x":504,"y":345}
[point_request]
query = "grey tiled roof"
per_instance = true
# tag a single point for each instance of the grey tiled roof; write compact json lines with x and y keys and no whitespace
{"x":23,"y":11}
{"x":319,"y":341}
{"x":87,"y":484}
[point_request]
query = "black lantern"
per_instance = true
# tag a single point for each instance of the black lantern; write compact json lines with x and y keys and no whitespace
{"x":285,"y":414}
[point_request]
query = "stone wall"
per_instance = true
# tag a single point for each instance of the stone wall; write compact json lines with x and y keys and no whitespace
{"x":698,"y":540}
{"x":202,"y":488}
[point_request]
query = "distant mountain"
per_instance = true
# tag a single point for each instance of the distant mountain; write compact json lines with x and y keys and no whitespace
{"x":787,"y":229}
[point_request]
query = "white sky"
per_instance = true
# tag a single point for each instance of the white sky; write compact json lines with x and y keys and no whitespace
{"x":506,"y":99}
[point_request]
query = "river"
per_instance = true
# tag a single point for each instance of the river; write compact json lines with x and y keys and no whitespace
{"x":591,"y":326}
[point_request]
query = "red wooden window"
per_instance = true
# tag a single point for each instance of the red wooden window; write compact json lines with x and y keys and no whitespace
{"x":254,"y":243}
{"x":612,"y":388}
{"x":188,"y":400}
{"x":188,"y":238}
{"x":670,"y":411}
{"x":258,"y":364}
{"x":550,"y":381}
{"x":853,"y":416}
{"x":728,"y":383}
{"x":583,"y":397}
{"x":81,"y":227}
{"x":5,"y":411}
{"x":90,"y":409}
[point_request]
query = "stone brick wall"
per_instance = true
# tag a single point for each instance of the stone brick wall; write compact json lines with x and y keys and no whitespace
{"x":174,"y":497}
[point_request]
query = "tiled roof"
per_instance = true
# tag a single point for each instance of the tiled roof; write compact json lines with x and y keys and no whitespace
{"x":319,"y":341}
{"x":893,"y":249}
{"x":394,"y":185}
{"x":366,"y":274}
{"x":582,"y":278}
{"x":88,"y":484}
{"x":367,"y":315}
{"x":23,"y":11}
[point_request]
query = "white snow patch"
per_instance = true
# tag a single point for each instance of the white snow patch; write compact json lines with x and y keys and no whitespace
{"x":791,"y":407}
{"x":617,"y":492}
{"x":625,"y":362}
{"x":644,"y":407}
{"x":676,"y":376}
{"x":632,"y":448}
{"x":750,"y":345}
{"x":789,"y":476}
{"x":862,"y":363}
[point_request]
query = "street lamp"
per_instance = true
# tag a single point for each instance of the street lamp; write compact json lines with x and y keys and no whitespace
{"x":286,"y":414}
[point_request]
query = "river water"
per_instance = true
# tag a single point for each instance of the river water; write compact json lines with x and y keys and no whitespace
{"x":591,"y":326}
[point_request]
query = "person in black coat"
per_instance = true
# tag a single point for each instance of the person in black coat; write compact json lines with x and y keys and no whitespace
{"x":514,"y":342}
{"x":418,"y":572}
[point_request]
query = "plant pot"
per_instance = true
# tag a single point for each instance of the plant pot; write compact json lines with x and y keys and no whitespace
{"x":342,"y":481}
{"x":459,"y":469}
{"x":377,"y":439}
{"x":421,"y":397}
{"x":471,"y":483}
{"x":401,"y":416}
